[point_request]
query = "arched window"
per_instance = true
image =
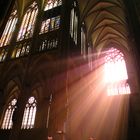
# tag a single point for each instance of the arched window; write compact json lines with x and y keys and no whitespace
{"x":116,"y":73}
{"x":49,"y":4}
{"x":7,"y":120}
{"x":28,"y":23}
{"x":9,"y":29}
{"x":29,"y":114}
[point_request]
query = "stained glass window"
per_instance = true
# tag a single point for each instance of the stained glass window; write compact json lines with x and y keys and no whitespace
{"x":51,"y":4}
{"x":7,"y":121}
{"x":29,"y":114}
{"x":21,"y":50}
{"x":28,"y":22}
{"x":9,"y":29}
{"x":50,"y":24}
{"x":116,"y":73}
{"x":48,"y":44}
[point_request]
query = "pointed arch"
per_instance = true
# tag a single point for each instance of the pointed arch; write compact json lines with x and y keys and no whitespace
{"x":116,"y":76}
{"x":7,"y":120}
{"x":9,"y":29}
{"x":29,"y":113}
{"x":11,"y":98}
{"x":28,"y":22}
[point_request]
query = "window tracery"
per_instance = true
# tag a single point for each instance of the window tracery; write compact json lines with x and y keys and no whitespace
{"x":116,"y":73}
{"x":21,"y":49}
{"x":52,"y":4}
{"x":28,"y":23}
{"x":49,"y":44}
{"x":29,"y":114}
{"x":50,"y":25}
{"x":9,"y":29}
{"x":7,"y":121}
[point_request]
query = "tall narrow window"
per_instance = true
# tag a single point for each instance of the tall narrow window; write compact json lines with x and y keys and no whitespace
{"x":28,"y":23}
{"x":72,"y":22}
{"x":51,"y":4}
{"x":115,"y":73}
{"x":29,"y":114}
{"x":75,"y":28}
{"x":73,"y":25}
{"x":7,"y":120}
{"x":9,"y":29}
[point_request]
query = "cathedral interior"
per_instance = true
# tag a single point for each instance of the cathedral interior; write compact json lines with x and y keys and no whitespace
{"x":69,"y":70}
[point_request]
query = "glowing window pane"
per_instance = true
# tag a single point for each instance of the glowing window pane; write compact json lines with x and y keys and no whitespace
{"x":27,"y":26}
{"x":29,"y":114}
{"x":7,"y":120}
{"x":9,"y":29}
{"x":49,"y":4}
{"x":116,"y":73}
{"x":50,"y":25}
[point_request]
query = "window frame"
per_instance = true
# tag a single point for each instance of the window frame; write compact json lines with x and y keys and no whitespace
{"x":116,"y":86}
{"x":9,"y":29}
{"x":29,"y":115}
{"x":28,"y":23}
{"x":7,"y":121}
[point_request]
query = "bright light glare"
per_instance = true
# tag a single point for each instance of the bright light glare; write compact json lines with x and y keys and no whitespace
{"x":116,"y":73}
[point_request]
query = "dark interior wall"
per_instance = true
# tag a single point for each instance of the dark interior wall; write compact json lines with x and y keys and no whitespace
{"x":4,"y":5}
{"x":133,"y":21}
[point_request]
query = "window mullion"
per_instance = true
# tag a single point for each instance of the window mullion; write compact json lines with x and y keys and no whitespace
{"x":6,"y":31}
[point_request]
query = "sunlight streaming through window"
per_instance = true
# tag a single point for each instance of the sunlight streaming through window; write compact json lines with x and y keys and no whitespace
{"x":116,"y":73}
{"x":7,"y":121}
{"x":29,"y":114}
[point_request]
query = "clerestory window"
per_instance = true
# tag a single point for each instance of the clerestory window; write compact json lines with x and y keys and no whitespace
{"x":116,"y":73}
{"x":28,"y":23}
{"x":49,"y":4}
{"x":29,"y":114}
{"x":7,"y":120}
{"x":9,"y":29}
{"x":50,"y":24}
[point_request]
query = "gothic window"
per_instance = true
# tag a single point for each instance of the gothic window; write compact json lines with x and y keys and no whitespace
{"x":21,"y":49}
{"x":116,"y":73}
{"x":29,"y":114}
{"x":9,"y":29}
{"x":50,"y":24}
{"x":73,"y":25}
{"x":7,"y":120}
{"x":48,"y":44}
{"x":51,"y":4}
{"x":45,"y":26}
{"x":28,"y":23}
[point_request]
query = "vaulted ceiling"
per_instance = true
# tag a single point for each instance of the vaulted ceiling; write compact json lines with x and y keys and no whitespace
{"x":105,"y":22}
